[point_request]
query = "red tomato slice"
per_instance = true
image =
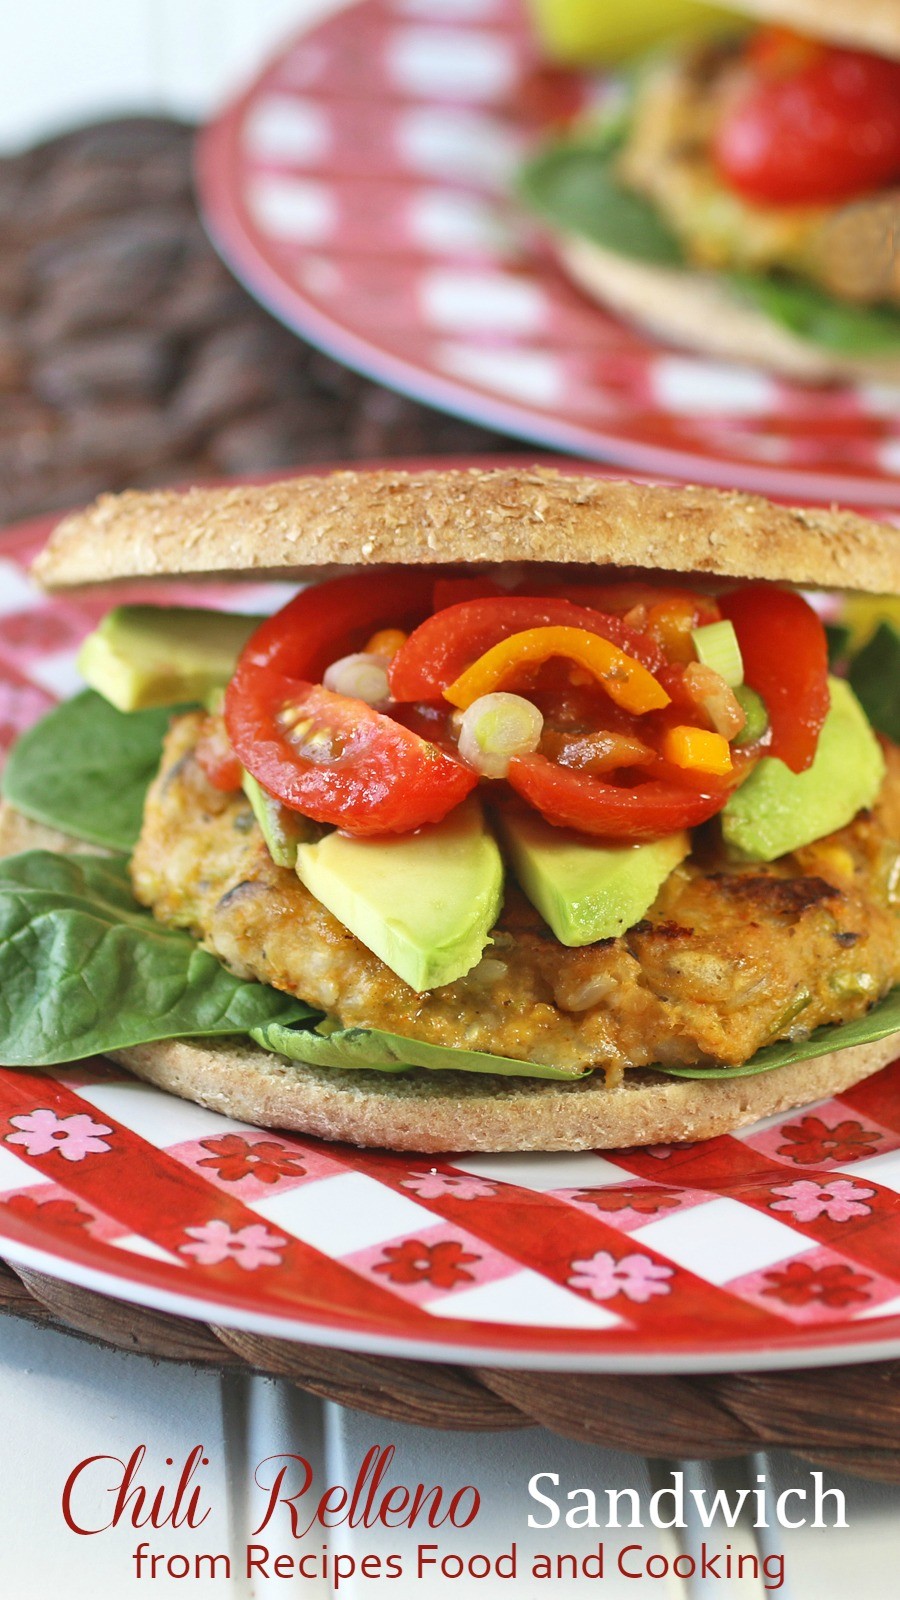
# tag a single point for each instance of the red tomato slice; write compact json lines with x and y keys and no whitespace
{"x":826,"y":132}
{"x":572,"y":799}
{"x":444,"y":645}
{"x":329,"y":620}
{"x":616,"y":597}
{"x":337,"y":760}
{"x":785,"y":655}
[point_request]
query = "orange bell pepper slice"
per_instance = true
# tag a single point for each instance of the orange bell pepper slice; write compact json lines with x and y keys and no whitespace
{"x":625,"y":680}
{"x":698,"y":750}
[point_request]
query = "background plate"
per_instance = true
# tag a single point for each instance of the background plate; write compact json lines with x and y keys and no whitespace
{"x":777,"y":1247}
{"x":361,"y":189}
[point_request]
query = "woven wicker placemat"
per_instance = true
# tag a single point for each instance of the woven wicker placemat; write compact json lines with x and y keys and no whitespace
{"x":846,"y":1418}
{"x":129,"y":356}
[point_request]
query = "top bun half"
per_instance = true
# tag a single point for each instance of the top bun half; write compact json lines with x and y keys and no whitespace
{"x":865,"y":25}
{"x":311,"y":527}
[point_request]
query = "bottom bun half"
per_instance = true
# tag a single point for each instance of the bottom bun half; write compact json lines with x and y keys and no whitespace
{"x":700,"y":312}
{"x":433,"y":1112}
{"x":458,"y":1111}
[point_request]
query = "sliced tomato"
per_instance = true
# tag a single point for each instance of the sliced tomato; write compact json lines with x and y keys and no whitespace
{"x":445,"y":644}
{"x":521,"y":655}
{"x":646,"y":810}
{"x":337,"y":760}
{"x":813,"y":130}
{"x":539,"y":579}
{"x":785,"y":655}
{"x":328,"y":620}
{"x":617,"y":597}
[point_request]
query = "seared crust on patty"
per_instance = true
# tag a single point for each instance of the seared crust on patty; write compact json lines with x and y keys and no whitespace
{"x":727,"y":960}
{"x":313,"y":526}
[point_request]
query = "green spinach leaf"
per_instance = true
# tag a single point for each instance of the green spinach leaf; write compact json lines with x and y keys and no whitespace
{"x":389,"y":1052}
{"x":85,"y":768}
{"x":813,"y":314}
{"x":322,"y":1044}
{"x":83,"y":968}
{"x":875,"y":679}
{"x":571,"y":184}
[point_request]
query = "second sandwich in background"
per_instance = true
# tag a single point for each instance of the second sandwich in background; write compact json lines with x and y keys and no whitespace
{"x":744,"y":197}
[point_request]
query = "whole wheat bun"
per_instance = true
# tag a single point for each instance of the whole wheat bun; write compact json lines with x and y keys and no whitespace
{"x":867,"y":25}
{"x":446,"y":1111}
{"x":456,"y":1111}
{"x":314,"y":526}
{"x":699,"y":311}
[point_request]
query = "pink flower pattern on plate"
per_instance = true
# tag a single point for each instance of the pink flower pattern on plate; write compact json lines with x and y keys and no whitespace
{"x":635,"y":1276}
{"x":455,"y":1185}
{"x":41,"y":1132}
{"x":808,"y":1200}
{"x":250,"y":1247}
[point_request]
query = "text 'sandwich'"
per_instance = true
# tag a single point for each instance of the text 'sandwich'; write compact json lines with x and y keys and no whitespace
{"x":542,"y":822}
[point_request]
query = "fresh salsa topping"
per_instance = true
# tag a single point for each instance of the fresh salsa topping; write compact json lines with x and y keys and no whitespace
{"x":376,"y":703}
{"x":448,"y":642}
{"x":785,"y":654}
{"x":812,"y":124}
{"x":625,"y":680}
{"x":336,"y":759}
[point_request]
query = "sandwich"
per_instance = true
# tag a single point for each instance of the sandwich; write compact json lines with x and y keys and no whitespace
{"x":740,"y":195}
{"x":537,"y":819}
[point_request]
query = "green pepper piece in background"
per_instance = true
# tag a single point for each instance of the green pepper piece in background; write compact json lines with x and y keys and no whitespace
{"x":875,"y":679}
{"x":838,"y":635}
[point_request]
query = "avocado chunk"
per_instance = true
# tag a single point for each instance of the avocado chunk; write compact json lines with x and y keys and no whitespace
{"x":586,"y":891}
{"x":144,"y":656}
{"x":777,"y":811}
{"x":282,"y":828}
{"x":424,"y":902}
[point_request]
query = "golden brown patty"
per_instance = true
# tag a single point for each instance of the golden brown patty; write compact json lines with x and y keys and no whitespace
{"x":728,"y":958}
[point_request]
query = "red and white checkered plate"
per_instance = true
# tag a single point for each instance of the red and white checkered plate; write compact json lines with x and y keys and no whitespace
{"x":361,"y":188}
{"x":778,"y":1246}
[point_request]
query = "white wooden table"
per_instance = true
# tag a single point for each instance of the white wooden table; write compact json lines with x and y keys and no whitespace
{"x":63,"y":1400}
